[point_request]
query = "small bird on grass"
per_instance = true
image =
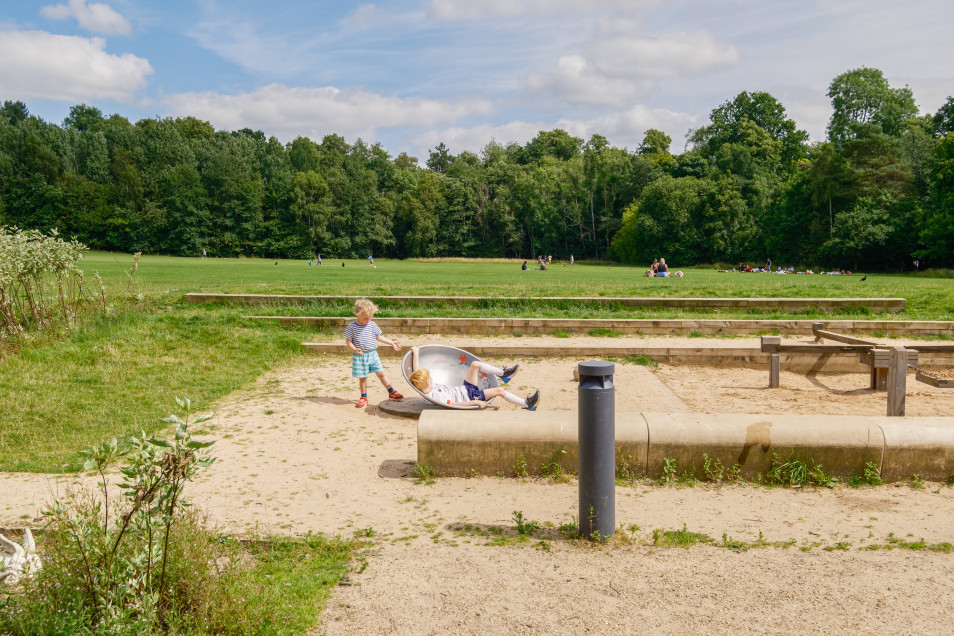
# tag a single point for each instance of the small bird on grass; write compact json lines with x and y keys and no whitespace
{"x":864,"y":278}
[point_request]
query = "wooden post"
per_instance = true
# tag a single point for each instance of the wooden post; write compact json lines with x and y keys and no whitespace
{"x":818,"y":326}
{"x":897,"y":379}
{"x":770,"y":345}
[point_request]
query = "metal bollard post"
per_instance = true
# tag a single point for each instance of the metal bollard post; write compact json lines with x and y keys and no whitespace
{"x":597,"y":449}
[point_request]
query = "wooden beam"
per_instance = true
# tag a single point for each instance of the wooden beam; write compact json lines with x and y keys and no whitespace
{"x":837,"y":337}
{"x":774,"y":371}
{"x":897,"y":379}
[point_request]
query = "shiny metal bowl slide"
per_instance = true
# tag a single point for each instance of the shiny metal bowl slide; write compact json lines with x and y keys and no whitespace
{"x":448,"y":365}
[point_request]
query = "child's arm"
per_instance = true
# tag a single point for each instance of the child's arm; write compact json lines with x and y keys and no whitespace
{"x":415,"y":362}
{"x":394,"y":343}
{"x":352,"y":346}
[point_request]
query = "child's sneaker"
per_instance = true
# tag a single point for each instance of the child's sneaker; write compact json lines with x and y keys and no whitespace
{"x":509,"y":372}
{"x":361,"y":403}
{"x":533,"y":401}
{"x":394,"y":395}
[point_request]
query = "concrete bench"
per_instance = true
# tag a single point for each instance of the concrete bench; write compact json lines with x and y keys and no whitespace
{"x":506,"y":443}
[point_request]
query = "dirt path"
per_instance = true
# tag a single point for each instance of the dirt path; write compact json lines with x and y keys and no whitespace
{"x":296,"y":456}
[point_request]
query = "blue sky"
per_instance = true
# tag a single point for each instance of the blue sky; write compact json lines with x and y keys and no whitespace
{"x":413,"y":73}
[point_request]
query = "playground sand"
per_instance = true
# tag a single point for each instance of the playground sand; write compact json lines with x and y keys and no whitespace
{"x":296,"y":456}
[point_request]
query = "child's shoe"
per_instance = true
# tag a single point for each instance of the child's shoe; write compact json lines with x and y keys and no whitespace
{"x":533,"y":401}
{"x":394,"y":395}
{"x":509,"y":372}
{"x":361,"y":403}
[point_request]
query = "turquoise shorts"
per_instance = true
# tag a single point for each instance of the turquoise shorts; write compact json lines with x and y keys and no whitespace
{"x":365,"y":364}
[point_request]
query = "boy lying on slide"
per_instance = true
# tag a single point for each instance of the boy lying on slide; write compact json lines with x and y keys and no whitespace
{"x":468,"y":394}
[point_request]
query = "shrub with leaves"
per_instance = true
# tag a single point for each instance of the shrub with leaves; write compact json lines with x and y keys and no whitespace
{"x":108,"y":562}
{"x":41,"y":285}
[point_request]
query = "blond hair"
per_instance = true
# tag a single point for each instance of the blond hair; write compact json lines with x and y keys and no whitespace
{"x":420,"y":378}
{"x":363,"y":305}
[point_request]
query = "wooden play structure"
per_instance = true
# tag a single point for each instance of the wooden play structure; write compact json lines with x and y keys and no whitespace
{"x":887,"y":364}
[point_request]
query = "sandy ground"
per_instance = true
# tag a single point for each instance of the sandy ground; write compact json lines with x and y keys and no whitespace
{"x":295,"y":456}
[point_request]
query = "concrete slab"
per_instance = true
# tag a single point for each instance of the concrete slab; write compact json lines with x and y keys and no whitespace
{"x":462,"y":443}
{"x":918,"y":445}
{"x":500,"y":326}
{"x":841,"y":445}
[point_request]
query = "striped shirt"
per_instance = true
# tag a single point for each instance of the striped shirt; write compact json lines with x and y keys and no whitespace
{"x":364,"y":337}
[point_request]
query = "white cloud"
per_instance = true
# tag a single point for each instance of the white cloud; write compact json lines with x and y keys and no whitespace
{"x":486,"y":9}
{"x":288,"y":112}
{"x":621,"y":62}
{"x":40,"y":65}
{"x":623,"y":129}
{"x":575,"y":81}
{"x":642,"y":56}
{"x":96,"y":17}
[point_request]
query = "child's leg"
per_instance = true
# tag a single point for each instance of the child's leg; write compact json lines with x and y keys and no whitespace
{"x":387,"y":385}
{"x":501,"y":392}
{"x":363,"y":385}
{"x":473,"y":373}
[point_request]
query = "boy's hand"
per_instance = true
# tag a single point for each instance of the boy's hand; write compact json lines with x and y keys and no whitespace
{"x":357,"y":351}
{"x":415,"y":348}
{"x":396,"y":345}
{"x":480,"y":404}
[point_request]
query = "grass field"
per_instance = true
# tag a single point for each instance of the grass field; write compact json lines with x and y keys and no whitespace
{"x":929,"y":297}
{"x":119,"y":373}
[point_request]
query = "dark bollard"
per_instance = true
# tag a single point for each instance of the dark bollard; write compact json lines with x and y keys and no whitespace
{"x":597,"y":449}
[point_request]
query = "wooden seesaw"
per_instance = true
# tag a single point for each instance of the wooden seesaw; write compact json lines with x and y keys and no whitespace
{"x":887,"y":365}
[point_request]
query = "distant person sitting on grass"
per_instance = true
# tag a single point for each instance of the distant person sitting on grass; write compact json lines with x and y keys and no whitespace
{"x":524,"y":267}
{"x":468,"y":393}
{"x":362,"y":337}
{"x":663,"y":270}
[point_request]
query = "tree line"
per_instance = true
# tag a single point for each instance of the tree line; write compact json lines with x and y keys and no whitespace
{"x":749,"y":185}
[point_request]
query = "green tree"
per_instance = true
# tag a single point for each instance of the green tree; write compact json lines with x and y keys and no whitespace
{"x":863,"y":96}
{"x":937,"y":233}
{"x":943,"y":120}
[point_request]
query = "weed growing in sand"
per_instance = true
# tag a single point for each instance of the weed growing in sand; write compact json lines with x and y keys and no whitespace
{"x":669,"y":471}
{"x":642,"y":360}
{"x":520,"y":466}
{"x":871,"y":477}
{"x":679,"y":538}
{"x":916,"y":482}
{"x":524,"y":526}
{"x":424,"y":474}
{"x":712,"y":470}
{"x":627,"y":467}
{"x":553,"y":466}
{"x":796,"y":472}
{"x":561,"y":334}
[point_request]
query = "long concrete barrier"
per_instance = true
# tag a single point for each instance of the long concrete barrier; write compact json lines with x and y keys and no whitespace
{"x":742,"y":356}
{"x":507,"y":443}
{"x":626,"y":326}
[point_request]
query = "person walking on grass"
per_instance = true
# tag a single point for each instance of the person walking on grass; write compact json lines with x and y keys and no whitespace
{"x":468,"y":393}
{"x":362,"y":337}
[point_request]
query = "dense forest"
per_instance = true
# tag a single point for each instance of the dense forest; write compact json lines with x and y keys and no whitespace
{"x":749,"y":185}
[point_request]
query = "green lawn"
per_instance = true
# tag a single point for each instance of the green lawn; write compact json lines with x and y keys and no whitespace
{"x":929,"y":298}
{"x":119,"y":373}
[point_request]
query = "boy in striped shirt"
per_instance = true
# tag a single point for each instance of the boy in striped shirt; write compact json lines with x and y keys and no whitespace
{"x":362,"y":337}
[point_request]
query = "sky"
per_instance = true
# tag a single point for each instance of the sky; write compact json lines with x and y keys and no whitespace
{"x":411,"y":74}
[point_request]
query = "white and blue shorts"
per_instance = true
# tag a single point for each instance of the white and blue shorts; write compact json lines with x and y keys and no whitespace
{"x":365,"y":364}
